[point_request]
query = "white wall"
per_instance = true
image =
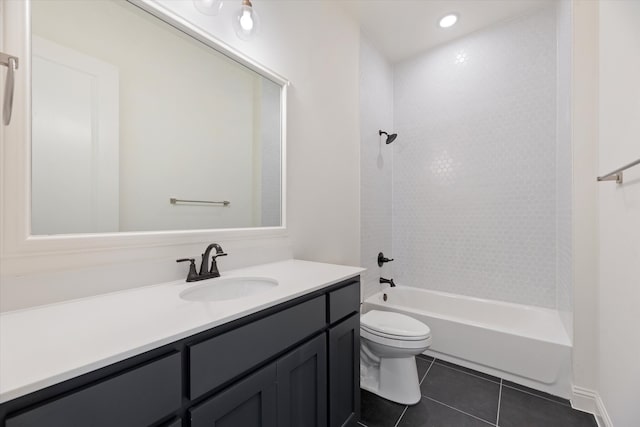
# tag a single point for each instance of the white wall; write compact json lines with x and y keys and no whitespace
{"x":564,"y":291}
{"x":584,"y":208}
{"x":474,"y":185}
{"x":376,"y":165}
{"x":619,"y":212}
{"x":315,"y":45}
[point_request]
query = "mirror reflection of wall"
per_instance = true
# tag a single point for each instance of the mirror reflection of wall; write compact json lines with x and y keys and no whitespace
{"x":129,"y":112}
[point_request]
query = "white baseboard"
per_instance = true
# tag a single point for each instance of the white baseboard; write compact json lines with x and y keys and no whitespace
{"x":590,"y":401}
{"x":603,"y":416}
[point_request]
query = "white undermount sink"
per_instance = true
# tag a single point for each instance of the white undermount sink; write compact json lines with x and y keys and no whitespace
{"x":222,"y":289}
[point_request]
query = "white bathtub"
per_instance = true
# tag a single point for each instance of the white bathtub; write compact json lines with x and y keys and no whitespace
{"x":524,"y":344}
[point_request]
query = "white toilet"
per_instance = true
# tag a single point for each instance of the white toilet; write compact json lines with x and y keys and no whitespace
{"x":389,"y":343}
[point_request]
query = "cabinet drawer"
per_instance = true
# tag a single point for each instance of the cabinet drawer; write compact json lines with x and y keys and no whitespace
{"x":219,"y":359}
{"x":134,"y":398}
{"x":344,"y":301}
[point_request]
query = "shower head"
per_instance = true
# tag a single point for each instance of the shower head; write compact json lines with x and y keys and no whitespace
{"x":390,"y":138}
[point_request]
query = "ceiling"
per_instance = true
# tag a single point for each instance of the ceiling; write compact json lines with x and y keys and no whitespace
{"x":400,"y":29}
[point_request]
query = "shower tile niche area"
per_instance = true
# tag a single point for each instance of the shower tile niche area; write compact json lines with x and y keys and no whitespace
{"x":481,"y":175}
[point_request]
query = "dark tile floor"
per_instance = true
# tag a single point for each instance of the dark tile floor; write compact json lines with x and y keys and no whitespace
{"x":453,"y":396}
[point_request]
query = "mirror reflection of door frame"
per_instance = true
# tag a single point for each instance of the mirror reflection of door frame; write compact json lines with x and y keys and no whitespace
{"x":75,"y":178}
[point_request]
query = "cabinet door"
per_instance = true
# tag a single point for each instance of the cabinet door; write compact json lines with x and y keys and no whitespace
{"x":302,"y":385}
{"x":250,"y":402}
{"x":344,"y":372}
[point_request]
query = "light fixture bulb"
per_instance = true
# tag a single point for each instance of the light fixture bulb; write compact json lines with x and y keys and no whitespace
{"x":246,"y":22}
{"x":208,"y":7}
{"x":448,"y":20}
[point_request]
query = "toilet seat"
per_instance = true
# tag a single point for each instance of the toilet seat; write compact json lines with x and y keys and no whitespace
{"x":393,"y":326}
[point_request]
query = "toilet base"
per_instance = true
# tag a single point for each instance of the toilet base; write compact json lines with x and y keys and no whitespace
{"x":395,"y":379}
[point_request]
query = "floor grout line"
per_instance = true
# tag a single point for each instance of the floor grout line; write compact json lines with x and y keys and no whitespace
{"x":501,"y":383}
{"x":469,"y":373}
{"x":459,"y":410}
{"x":499,"y":401}
{"x":425,"y":374}
{"x":536,"y":395}
{"x":401,"y":415}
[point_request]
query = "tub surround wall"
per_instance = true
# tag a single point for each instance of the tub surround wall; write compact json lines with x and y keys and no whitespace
{"x":376,"y":165}
{"x":474,"y":185}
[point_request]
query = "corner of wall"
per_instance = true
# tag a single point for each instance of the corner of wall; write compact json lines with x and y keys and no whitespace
{"x":584,"y":191}
{"x":587,"y":400}
{"x":376,"y":165}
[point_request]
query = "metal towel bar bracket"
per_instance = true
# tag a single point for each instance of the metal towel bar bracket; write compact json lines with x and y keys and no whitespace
{"x":174,"y":201}
{"x":11,"y":62}
{"x":616,"y":175}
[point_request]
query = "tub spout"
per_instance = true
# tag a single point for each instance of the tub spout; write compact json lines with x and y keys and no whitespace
{"x":389,"y":281}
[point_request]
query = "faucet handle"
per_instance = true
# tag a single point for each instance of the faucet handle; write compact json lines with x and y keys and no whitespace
{"x":382,"y":259}
{"x":191,"y":277}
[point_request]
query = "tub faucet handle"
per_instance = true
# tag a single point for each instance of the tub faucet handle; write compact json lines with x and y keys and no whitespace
{"x":382,"y":259}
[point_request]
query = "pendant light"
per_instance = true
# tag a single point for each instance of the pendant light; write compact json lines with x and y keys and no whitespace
{"x":246,"y":22}
{"x":208,"y":7}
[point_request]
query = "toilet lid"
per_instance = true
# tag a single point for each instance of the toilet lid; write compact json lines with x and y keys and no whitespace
{"x":394,"y":325}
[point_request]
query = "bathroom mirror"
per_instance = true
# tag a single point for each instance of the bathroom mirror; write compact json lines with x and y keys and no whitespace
{"x":139,"y":124}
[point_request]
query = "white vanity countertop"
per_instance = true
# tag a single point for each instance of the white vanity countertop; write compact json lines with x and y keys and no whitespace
{"x":46,"y":345}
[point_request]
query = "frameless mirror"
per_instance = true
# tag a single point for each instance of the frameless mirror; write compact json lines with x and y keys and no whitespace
{"x":137,"y":126}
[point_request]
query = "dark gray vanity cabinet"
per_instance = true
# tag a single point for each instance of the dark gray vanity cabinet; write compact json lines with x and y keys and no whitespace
{"x":292,"y":365}
{"x":136,"y":397}
{"x":291,"y":392}
{"x":344,"y":372}
{"x":302,"y":385}
{"x":249,"y":403}
{"x":218,"y":360}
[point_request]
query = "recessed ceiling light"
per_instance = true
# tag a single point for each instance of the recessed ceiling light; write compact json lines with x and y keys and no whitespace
{"x":448,"y":20}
